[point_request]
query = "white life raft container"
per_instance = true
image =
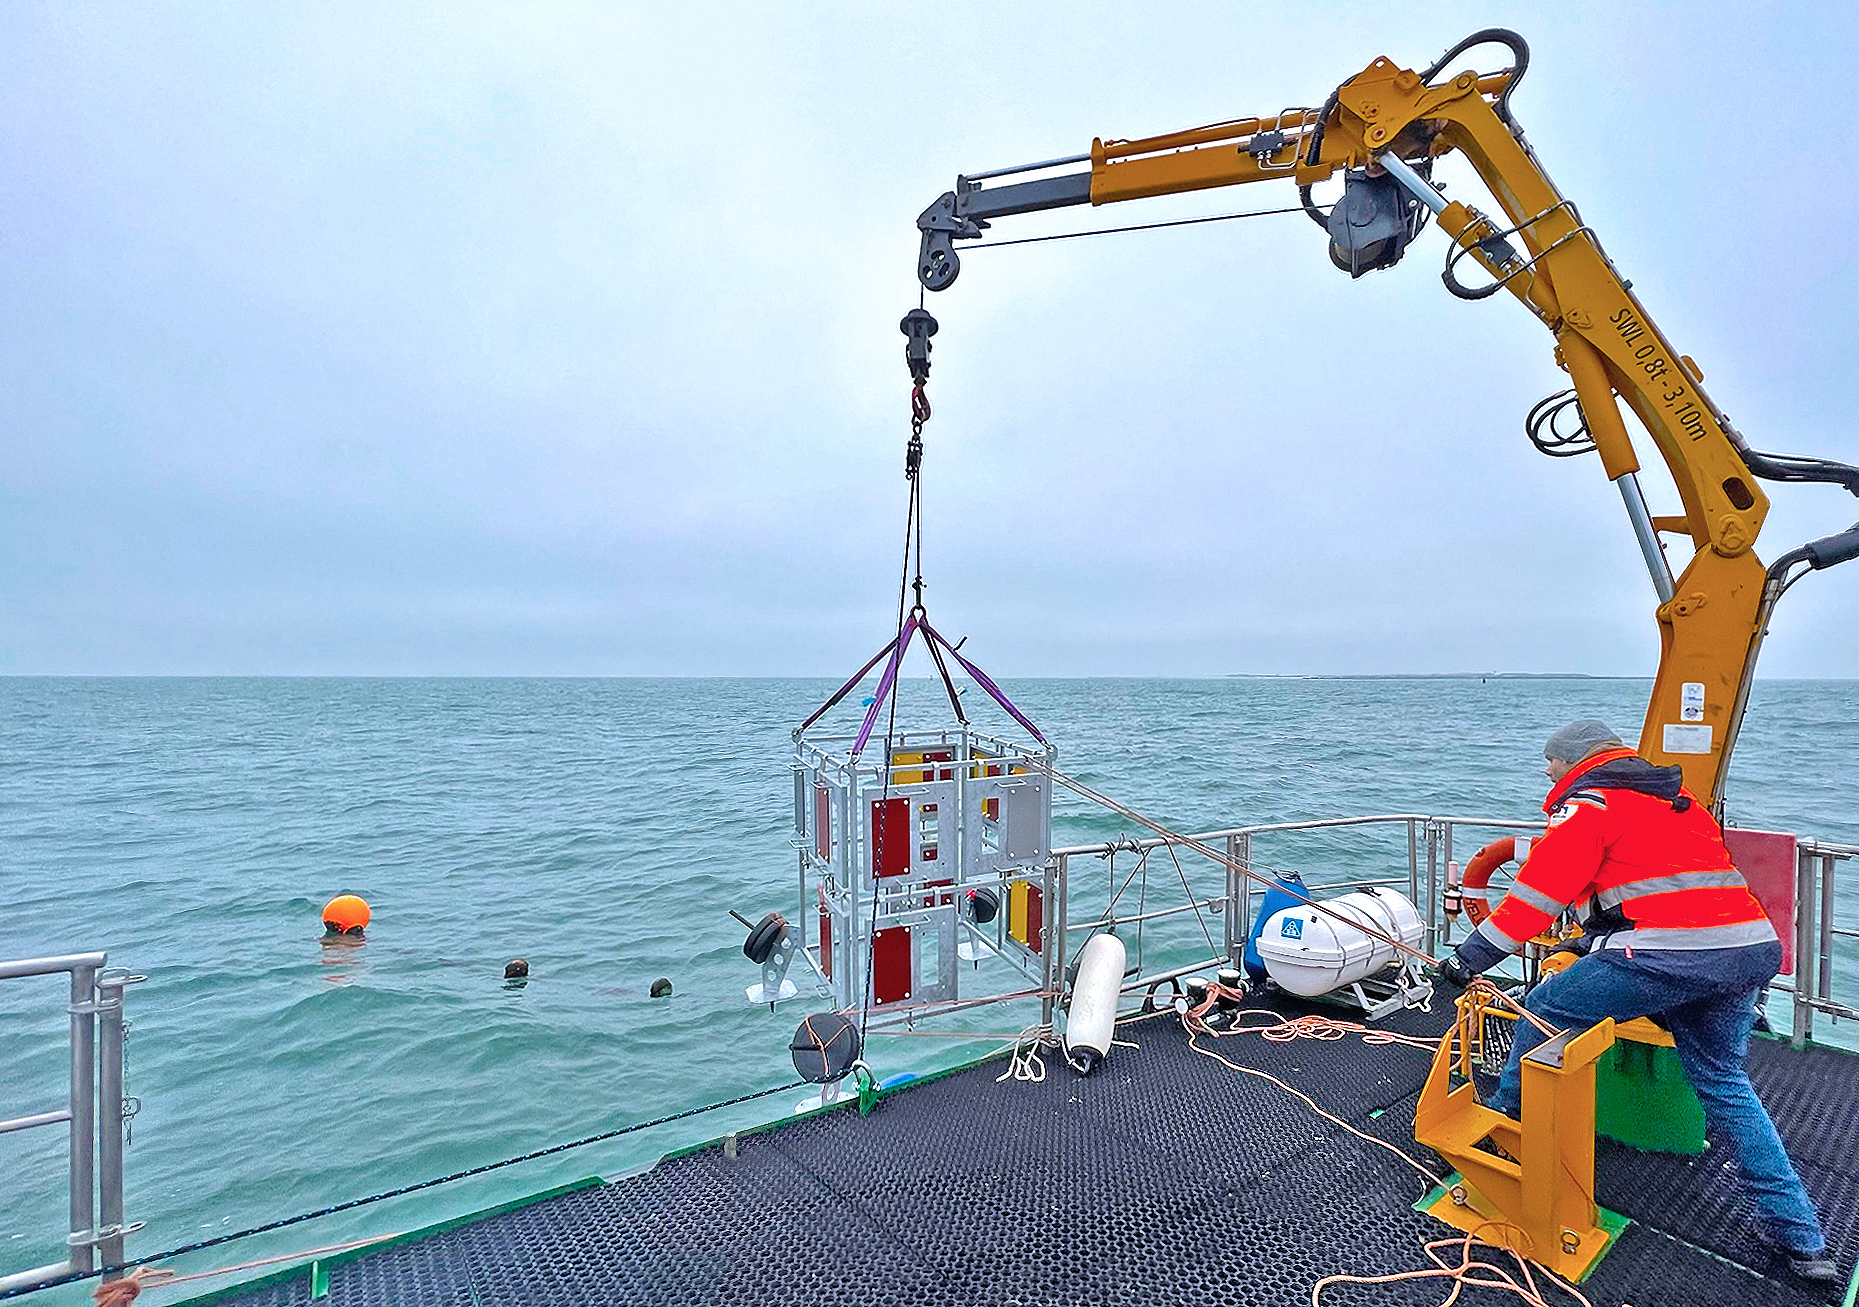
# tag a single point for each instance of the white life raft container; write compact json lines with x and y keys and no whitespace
{"x":1309,"y":951}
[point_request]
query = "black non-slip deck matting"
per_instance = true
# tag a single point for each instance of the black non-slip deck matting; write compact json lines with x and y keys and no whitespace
{"x":1164,"y":1178}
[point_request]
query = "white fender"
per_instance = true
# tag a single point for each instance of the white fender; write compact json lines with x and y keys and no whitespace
{"x":1091,"y":1018}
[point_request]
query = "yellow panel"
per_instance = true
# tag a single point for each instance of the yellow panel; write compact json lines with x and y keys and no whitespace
{"x":1017,"y":894}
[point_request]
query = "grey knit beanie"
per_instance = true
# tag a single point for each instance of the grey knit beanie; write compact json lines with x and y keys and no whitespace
{"x":1579,"y":739}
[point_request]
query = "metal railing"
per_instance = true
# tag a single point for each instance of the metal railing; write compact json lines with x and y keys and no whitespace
{"x":1430,"y":842}
{"x":94,"y":1113}
{"x":1814,"y":936}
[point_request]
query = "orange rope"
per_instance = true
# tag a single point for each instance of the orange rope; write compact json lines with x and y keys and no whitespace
{"x":1283,"y":1029}
{"x":121,"y":1292}
{"x":1466,"y":1274}
{"x":1311,"y":1103}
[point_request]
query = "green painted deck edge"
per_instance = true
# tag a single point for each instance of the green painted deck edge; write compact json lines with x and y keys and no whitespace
{"x":849,"y":1101}
{"x":443,"y":1227}
{"x":1612,"y":1223}
{"x":323,"y":1263}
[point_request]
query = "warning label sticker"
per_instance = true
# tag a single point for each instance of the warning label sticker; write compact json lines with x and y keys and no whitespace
{"x":1691,"y":702}
{"x":1687,"y":739}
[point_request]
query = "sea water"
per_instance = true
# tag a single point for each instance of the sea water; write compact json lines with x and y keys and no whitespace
{"x":602,"y":829}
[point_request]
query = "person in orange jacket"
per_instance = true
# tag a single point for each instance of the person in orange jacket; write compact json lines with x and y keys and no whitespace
{"x":1672,"y":932}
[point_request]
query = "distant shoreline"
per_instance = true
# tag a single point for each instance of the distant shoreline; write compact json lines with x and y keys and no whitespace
{"x":819,"y":676}
{"x":1427,"y":676}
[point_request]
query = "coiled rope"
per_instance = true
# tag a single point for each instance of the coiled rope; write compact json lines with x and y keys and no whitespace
{"x":1026,"y":1064}
{"x":1466,"y":1273}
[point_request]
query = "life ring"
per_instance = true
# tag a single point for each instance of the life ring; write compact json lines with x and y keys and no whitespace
{"x":1483,"y":863}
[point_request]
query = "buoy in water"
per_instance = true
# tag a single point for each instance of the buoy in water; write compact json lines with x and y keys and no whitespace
{"x":516,"y":969}
{"x":661,"y":988}
{"x":346,"y":914}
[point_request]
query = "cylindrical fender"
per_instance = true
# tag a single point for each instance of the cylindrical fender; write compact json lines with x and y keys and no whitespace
{"x":1091,"y":1018}
{"x":1484,"y":862}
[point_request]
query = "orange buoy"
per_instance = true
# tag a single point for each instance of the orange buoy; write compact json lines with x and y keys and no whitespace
{"x":346,"y":914}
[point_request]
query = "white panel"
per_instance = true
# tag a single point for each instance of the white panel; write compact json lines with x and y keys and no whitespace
{"x":1687,"y":739}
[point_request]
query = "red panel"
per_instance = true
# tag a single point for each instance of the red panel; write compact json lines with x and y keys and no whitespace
{"x":1035,"y":918}
{"x":931,"y":900}
{"x":822,"y":823}
{"x":1767,"y":861}
{"x":890,"y":965}
{"x":890,"y":837}
{"x":939,"y":755}
{"x":826,"y":941}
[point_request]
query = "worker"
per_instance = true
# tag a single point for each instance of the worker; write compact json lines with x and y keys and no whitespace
{"x":1673,"y":933}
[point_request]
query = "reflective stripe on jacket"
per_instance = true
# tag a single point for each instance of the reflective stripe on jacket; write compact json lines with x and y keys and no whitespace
{"x":1629,"y":836}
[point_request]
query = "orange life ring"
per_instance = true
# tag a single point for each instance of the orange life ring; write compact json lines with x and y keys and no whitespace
{"x":1478,"y":872}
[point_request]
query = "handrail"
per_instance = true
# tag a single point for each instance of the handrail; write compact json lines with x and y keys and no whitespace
{"x":1816,"y":931}
{"x":93,"y":1114}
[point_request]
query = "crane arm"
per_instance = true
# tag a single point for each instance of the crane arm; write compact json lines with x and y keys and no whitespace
{"x":1381,"y":130}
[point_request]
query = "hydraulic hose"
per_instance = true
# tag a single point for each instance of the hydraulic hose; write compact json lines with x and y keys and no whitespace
{"x":1828,"y":551}
{"x":1519,"y":49}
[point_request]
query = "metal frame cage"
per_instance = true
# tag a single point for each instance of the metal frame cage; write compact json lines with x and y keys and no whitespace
{"x":933,"y":853}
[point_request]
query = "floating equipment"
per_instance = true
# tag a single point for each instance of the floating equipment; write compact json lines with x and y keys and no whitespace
{"x":1478,"y":873}
{"x":825,"y":1046}
{"x":1091,"y":1018}
{"x":346,"y":914}
{"x":661,"y":988}
{"x":1315,"y":950}
{"x":515,"y":969}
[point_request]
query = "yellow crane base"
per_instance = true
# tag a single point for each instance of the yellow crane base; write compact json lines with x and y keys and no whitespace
{"x":1578,"y":1252}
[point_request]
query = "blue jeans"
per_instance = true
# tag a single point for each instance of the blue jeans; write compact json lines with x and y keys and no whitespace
{"x":1707,"y":999}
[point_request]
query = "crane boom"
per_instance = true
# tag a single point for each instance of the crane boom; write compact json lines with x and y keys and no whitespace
{"x":1381,"y":130}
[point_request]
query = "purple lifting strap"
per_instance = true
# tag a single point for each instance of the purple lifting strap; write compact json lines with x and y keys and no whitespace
{"x":896,"y":649}
{"x":886,"y":681}
{"x":985,"y":682}
{"x":845,"y":689}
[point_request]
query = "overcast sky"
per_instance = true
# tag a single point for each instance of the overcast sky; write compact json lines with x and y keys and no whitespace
{"x":538,"y":338}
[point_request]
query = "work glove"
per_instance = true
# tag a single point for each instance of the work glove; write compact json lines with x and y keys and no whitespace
{"x":1453,"y":972}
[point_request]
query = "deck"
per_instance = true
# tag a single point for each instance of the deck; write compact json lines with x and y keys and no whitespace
{"x":1164,"y":1178}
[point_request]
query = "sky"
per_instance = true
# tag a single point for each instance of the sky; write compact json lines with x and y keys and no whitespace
{"x":549,"y":339}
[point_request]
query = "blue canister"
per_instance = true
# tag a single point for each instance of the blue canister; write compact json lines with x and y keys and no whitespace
{"x":1277,"y":899}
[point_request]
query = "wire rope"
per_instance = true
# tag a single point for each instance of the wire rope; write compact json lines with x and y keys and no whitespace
{"x":1141,"y":226}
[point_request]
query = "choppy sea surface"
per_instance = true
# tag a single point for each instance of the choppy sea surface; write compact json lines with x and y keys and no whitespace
{"x":601,"y":829}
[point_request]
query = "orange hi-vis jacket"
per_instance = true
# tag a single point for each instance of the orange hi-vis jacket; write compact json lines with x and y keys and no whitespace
{"x":1629,"y":839}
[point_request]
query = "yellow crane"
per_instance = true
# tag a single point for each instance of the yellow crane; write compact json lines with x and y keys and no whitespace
{"x":1382,"y":130}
